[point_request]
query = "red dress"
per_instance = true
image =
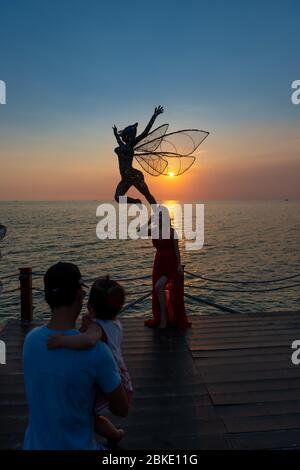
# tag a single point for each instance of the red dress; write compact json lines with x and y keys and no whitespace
{"x":165,"y":264}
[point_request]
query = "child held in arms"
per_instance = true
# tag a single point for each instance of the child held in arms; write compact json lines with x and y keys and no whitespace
{"x":105,"y":302}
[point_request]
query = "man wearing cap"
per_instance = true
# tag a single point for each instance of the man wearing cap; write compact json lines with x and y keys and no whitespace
{"x":60,"y":383}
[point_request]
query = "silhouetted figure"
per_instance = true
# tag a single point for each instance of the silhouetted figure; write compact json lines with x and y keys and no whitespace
{"x":168,"y":307}
{"x":127,"y":140}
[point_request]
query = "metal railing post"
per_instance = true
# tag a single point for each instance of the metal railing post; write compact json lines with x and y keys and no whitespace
{"x":26,"y":294}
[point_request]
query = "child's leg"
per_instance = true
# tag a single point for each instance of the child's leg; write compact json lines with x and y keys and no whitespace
{"x":105,"y":428}
{"x":160,"y":290}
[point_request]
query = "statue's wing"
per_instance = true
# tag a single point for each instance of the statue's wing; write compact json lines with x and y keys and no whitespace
{"x":177,"y":164}
{"x":183,"y":142}
{"x":152,"y":163}
{"x":152,"y":141}
{"x":165,"y":163}
{"x":169,"y":154}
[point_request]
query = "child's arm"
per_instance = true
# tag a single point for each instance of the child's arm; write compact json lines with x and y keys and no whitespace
{"x":86,"y":322}
{"x":85,"y":340}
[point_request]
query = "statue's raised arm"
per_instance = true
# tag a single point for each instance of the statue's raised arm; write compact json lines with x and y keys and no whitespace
{"x":157,"y":111}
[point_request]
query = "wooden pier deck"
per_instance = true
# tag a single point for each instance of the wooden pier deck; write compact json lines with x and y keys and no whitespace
{"x":228,"y":383}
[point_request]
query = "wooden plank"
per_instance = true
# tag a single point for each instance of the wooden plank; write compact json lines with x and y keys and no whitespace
{"x":11,"y":441}
{"x":243,"y":334}
{"x":256,"y":362}
{"x":12,"y":388}
{"x":262,"y":342}
{"x":252,"y":385}
{"x":167,"y":390}
{"x":170,"y":428}
{"x":197,"y":330}
{"x":212,"y":377}
{"x":244,"y":316}
{"x":262,"y":322}
{"x":233,"y":352}
{"x":254,"y":397}
{"x":172,"y":401}
{"x":185,"y":410}
{"x":15,"y":424}
{"x":266,"y":440}
{"x":259,"y":409}
{"x":262,"y":423}
{"x":153,"y":382}
{"x":203,"y":442}
{"x":14,"y":409}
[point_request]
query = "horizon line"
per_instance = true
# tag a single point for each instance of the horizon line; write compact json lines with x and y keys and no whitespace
{"x":287,"y":199}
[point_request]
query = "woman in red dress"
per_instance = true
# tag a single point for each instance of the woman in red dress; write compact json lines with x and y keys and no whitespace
{"x":167,"y":279}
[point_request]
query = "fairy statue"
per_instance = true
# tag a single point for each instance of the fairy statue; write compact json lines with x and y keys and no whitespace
{"x":157,"y":152}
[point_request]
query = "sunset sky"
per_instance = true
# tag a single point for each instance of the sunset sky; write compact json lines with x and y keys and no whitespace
{"x":73,"y":68}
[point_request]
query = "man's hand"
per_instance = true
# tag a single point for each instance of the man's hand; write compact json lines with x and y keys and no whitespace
{"x":158,"y":110}
{"x":54,"y":341}
{"x":115,"y":130}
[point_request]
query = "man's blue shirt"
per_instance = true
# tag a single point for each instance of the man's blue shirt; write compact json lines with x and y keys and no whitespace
{"x":60,"y":389}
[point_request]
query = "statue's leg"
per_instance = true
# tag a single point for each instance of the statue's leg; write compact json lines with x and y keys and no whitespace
{"x":141,"y":186}
{"x":122,"y":189}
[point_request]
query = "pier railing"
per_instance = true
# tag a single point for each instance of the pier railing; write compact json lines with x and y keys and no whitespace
{"x":195,"y":294}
